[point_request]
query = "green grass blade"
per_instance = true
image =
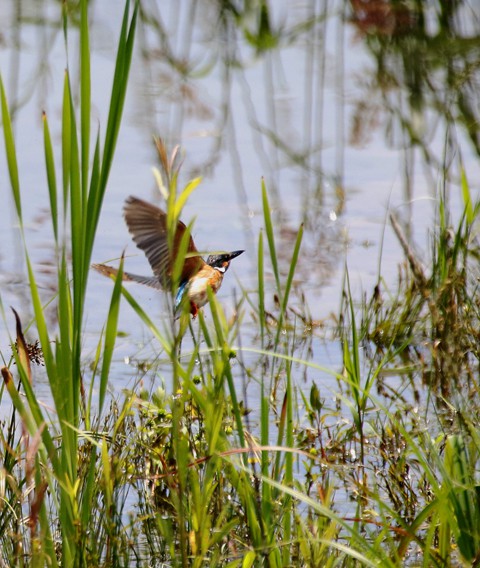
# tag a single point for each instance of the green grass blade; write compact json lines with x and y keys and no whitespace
{"x":287,"y":500}
{"x":77,"y":247}
{"x":271,"y":238}
{"x":120,"y":81}
{"x":63,"y":391}
{"x":261,"y":290}
{"x":11,"y":152}
{"x":462,"y":497}
{"x":352,"y":352}
{"x":51,"y":177}
{"x":66,"y":143}
{"x":85,"y":96}
{"x":288,"y":285}
{"x":110,"y":336}
{"x":94,"y":202}
{"x":219,"y":324}
{"x":293,"y":266}
{"x":183,"y":197}
{"x":467,"y":197}
{"x":119,"y":88}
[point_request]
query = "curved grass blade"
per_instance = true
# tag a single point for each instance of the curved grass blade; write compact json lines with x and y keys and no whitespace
{"x":110,"y":335}
{"x":271,"y":238}
{"x":11,"y":152}
{"x":51,"y":177}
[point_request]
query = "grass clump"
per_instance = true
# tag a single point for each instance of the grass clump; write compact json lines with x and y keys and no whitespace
{"x":435,"y":311}
{"x":59,"y":492}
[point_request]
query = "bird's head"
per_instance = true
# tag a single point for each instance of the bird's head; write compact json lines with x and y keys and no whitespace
{"x":221,"y":262}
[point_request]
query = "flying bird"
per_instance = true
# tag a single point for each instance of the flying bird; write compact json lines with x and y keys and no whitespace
{"x":148,"y":226}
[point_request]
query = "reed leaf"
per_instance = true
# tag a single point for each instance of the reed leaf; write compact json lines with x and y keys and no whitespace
{"x":271,"y":238}
{"x":184,"y":196}
{"x":226,"y":351}
{"x":11,"y":152}
{"x":51,"y":176}
{"x":85,"y":97}
{"x":110,"y":336}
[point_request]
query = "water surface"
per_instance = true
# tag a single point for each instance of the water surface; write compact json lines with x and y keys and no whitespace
{"x":346,"y":110}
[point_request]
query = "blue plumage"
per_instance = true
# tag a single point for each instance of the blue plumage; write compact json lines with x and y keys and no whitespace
{"x":180,"y":294}
{"x":148,"y":226}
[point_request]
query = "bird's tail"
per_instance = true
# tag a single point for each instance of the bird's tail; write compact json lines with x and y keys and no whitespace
{"x":151,"y":281}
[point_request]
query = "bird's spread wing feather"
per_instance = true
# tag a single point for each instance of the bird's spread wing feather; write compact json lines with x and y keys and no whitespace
{"x":151,"y":281}
{"x":148,"y":227}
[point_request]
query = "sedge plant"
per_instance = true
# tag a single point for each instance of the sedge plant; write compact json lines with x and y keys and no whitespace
{"x":75,"y":212}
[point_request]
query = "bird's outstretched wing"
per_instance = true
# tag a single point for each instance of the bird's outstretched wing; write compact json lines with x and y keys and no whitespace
{"x":151,"y":281}
{"x":148,"y":227}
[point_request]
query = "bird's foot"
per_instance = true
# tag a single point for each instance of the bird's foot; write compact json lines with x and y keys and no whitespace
{"x":193,"y":310}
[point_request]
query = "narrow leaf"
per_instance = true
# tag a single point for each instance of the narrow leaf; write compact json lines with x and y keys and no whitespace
{"x":11,"y":152}
{"x":51,"y":178}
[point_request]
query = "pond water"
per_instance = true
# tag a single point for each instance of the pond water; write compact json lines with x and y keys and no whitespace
{"x":343,"y":109}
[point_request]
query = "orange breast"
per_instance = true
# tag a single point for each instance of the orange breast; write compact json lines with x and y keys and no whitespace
{"x":197,"y":289}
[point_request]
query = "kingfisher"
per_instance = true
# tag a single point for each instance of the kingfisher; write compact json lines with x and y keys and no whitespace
{"x":148,"y":226}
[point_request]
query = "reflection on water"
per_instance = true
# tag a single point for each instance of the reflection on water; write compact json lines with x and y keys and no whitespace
{"x":424,"y":82}
{"x":342,"y":107}
{"x":249,"y":85}
{"x":292,"y":93}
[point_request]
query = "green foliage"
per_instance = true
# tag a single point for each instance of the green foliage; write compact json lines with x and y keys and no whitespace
{"x":57,"y":466}
{"x":462,"y":495}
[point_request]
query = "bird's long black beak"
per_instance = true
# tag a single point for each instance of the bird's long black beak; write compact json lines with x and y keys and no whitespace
{"x":234,"y":254}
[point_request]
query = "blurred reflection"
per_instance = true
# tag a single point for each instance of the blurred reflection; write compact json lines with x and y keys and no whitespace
{"x":425,"y":80}
{"x":249,"y":78}
{"x":256,"y":88}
